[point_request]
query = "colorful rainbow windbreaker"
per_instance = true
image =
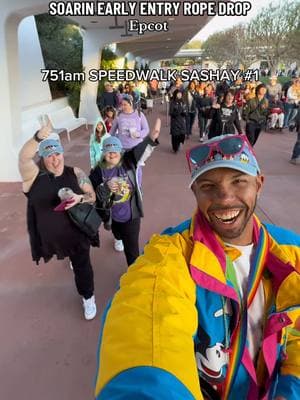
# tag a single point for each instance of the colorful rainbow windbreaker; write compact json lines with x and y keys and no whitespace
{"x":172,"y":324}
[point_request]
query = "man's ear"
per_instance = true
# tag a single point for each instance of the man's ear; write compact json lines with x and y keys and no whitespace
{"x":193,"y":188}
{"x":260,"y":179}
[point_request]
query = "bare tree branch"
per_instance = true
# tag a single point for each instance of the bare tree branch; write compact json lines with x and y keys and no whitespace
{"x":273,"y":35}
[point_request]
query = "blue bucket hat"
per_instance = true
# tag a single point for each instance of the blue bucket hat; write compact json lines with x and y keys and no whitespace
{"x":47,"y":147}
{"x":226,"y":151}
{"x":111,"y":144}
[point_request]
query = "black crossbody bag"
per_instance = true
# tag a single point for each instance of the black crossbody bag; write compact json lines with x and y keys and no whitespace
{"x":86,"y":218}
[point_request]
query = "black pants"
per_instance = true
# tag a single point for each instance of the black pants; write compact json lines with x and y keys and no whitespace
{"x":128,"y":232}
{"x":83,"y":272}
{"x":296,"y":149}
{"x":190,"y":119}
{"x":202,"y":122}
{"x":253,"y":130}
{"x":176,"y":140}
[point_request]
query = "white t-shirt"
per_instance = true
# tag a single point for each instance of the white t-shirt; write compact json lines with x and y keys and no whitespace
{"x":256,"y":309}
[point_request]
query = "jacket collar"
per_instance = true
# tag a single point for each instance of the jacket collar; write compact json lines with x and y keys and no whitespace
{"x":208,"y":244}
{"x":208,"y":257}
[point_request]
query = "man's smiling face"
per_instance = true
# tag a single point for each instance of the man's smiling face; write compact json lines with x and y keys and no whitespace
{"x":227,"y":199}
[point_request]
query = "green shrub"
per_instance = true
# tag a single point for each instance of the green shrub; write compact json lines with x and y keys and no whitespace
{"x":61,"y":45}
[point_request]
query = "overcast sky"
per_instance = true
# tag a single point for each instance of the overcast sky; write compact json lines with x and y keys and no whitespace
{"x":220,"y":23}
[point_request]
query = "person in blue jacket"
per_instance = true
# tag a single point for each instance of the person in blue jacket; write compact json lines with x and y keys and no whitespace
{"x":211,"y":310}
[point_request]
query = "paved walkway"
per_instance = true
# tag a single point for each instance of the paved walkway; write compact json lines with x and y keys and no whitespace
{"x":47,"y":348}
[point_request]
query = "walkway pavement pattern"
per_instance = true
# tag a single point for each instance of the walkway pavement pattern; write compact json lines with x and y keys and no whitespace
{"x":47,"y":349}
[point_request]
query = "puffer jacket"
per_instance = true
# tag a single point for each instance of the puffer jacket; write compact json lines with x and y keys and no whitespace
{"x":163,"y":319}
{"x":177,"y":112}
{"x":256,"y":111}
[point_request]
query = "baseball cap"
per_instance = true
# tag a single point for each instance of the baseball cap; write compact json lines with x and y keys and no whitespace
{"x":47,"y":147}
{"x":112,"y":144}
{"x":226,"y":151}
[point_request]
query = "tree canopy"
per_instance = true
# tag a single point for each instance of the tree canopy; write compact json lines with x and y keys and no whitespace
{"x":61,"y":43}
{"x":275,"y":31}
{"x":273,"y":35}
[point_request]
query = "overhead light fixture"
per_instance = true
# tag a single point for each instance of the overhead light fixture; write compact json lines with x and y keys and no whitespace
{"x":171,"y":19}
{"x":116,"y":26}
{"x":94,"y":22}
{"x":168,"y":38}
{"x":126,"y":31}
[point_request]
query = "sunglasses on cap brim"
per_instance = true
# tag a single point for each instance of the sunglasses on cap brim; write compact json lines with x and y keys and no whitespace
{"x":50,"y":147}
{"x":229,"y":146}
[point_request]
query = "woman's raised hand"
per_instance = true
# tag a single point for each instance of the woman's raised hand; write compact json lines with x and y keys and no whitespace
{"x":45,"y":131}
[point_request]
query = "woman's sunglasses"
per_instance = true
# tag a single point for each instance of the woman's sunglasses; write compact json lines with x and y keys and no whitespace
{"x":229,"y":146}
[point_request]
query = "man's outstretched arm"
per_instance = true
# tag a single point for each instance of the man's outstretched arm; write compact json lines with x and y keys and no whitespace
{"x":147,"y":348}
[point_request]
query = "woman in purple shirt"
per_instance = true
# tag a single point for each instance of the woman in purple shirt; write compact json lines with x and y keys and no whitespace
{"x":118,"y":189}
{"x":130,"y":126}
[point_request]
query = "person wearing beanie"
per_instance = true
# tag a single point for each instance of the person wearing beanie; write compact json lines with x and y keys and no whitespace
{"x":98,"y":135}
{"x":118,"y":190}
{"x":51,"y":232}
{"x":130,"y":126}
{"x":211,"y":309}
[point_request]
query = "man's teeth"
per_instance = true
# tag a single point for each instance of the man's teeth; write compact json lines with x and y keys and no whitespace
{"x":228,"y":216}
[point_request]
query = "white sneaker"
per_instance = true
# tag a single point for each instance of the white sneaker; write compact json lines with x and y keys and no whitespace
{"x":118,"y":245}
{"x":90,"y":308}
{"x":71,"y":265}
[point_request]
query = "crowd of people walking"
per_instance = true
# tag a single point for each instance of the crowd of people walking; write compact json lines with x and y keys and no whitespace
{"x":219,"y":108}
{"x":120,"y":143}
{"x":222,"y":257}
{"x":232,"y":107}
